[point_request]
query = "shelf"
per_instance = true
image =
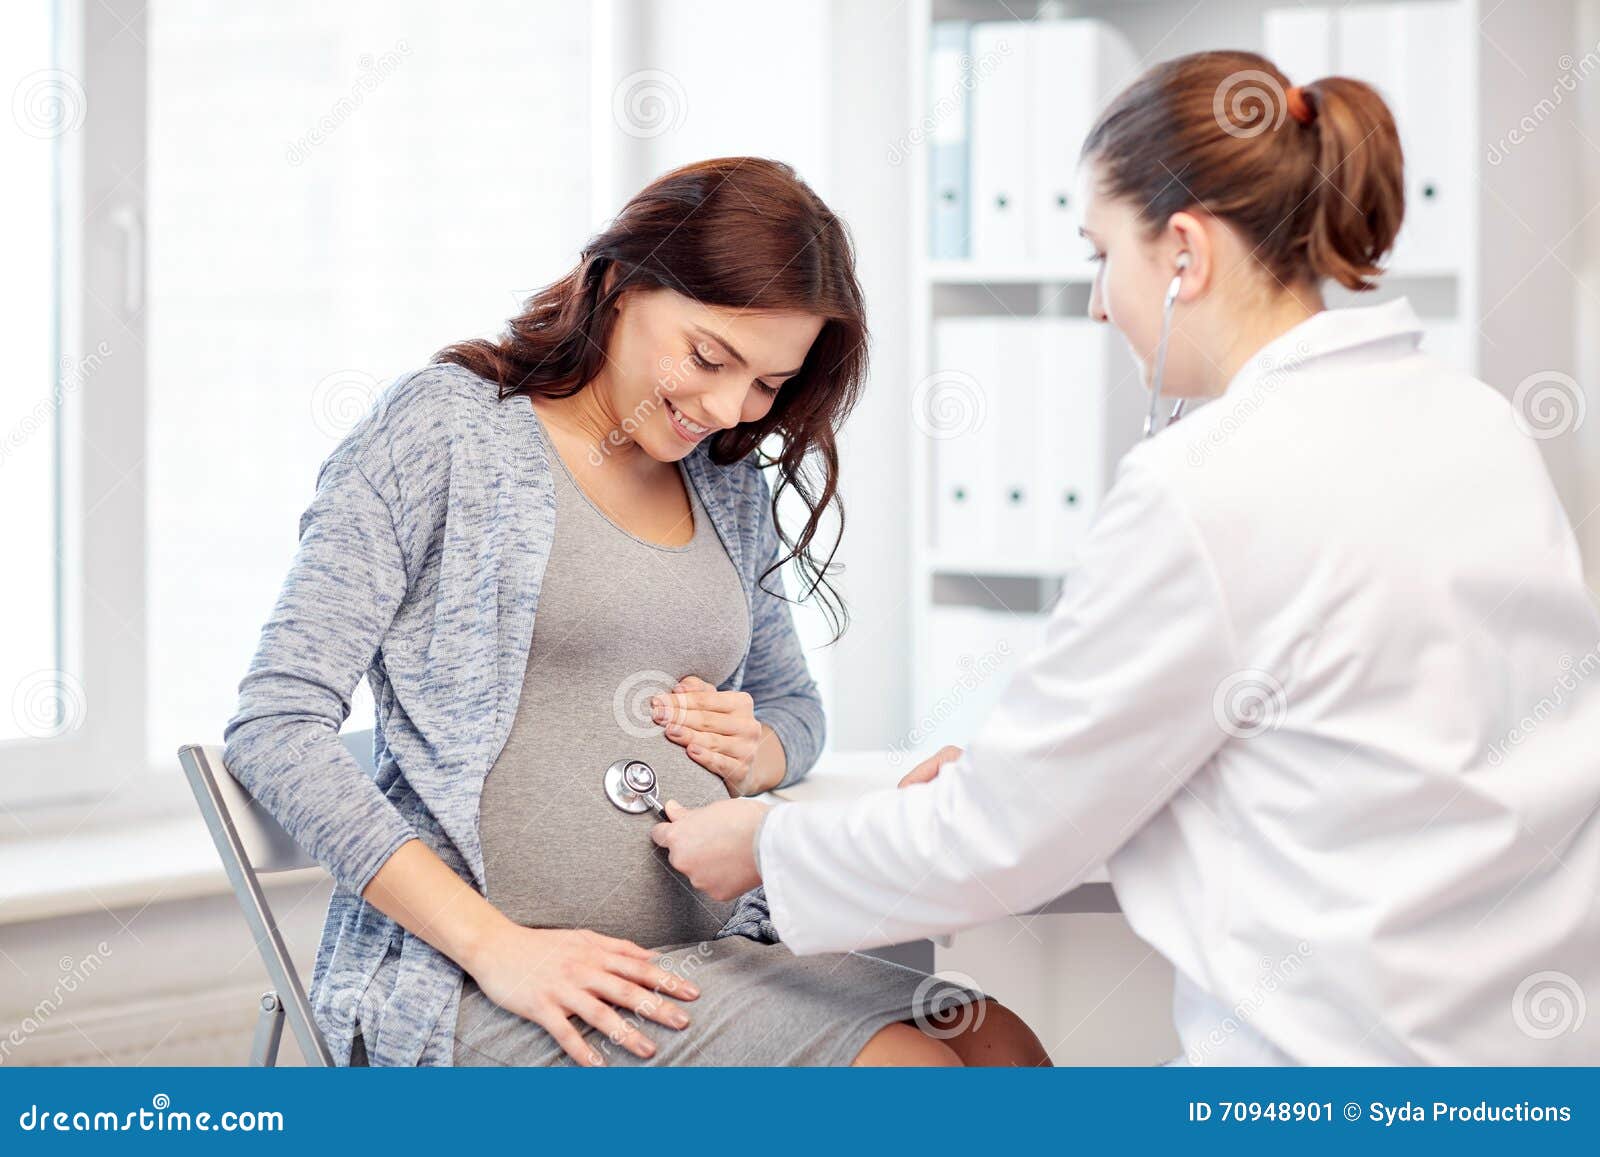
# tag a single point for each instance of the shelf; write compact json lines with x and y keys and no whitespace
{"x":934,"y":564}
{"x":988,"y":273}
{"x":1026,"y":273}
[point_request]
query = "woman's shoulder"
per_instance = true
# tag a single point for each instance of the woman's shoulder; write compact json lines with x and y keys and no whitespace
{"x":423,"y":426}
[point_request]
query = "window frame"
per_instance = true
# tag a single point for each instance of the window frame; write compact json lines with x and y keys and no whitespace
{"x":101,"y":201}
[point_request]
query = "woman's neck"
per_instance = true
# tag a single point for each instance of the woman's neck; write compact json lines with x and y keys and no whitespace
{"x":586,"y":419}
{"x":1246,"y":332}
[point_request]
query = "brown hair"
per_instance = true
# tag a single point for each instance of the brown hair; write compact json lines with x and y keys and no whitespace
{"x":739,"y":232}
{"x":1319,"y":194}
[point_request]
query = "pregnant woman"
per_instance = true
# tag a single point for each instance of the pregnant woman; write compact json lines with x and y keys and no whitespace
{"x":547,"y":553}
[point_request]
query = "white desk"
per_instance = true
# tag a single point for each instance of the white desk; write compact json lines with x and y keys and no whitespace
{"x":849,"y":774}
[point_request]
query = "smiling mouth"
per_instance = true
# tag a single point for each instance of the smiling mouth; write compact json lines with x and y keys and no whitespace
{"x":690,"y":430}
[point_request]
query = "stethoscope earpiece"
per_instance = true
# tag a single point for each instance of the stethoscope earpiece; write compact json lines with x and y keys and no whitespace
{"x":1169,"y":302}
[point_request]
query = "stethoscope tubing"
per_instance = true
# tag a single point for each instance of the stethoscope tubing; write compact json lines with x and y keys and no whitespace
{"x":1167,"y":306}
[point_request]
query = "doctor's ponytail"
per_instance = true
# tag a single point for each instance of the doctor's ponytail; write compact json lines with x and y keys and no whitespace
{"x":1311,"y":175}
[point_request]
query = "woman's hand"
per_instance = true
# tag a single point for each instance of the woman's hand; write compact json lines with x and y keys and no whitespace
{"x":722,"y":734}
{"x":714,"y":846}
{"x":548,"y":974}
{"x":929,"y":768}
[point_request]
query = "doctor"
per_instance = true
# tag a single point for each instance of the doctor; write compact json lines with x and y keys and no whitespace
{"x":1324,"y":689}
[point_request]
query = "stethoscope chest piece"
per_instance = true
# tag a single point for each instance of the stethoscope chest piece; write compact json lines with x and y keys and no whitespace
{"x":631,"y":785}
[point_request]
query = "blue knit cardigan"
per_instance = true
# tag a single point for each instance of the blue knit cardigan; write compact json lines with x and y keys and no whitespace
{"x":419,"y":566}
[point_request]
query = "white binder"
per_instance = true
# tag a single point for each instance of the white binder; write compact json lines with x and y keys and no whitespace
{"x":1431,"y":91}
{"x":1016,"y":444}
{"x":972,"y":654}
{"x":998,"y":146}
{"x":1415,"y":55}
{"x":949,"y":81}
{"x":1300,"y":41}
{"x":1073,"y":432}
{"x":955,"y":410}
{"x":1076,"y":67}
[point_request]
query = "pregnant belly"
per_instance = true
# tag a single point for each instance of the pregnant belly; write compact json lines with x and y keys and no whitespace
{"x":559,"y":854}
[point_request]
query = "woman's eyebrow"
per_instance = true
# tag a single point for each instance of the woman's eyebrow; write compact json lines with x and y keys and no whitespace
{"x":736,"y":355}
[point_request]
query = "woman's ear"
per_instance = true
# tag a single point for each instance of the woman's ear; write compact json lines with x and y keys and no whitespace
{"x":1187,"y":235}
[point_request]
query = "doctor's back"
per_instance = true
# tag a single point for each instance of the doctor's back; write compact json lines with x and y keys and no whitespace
{"x":1357,"y":629}
{"x":1401,"y":825}
{"x":1322,"y":689}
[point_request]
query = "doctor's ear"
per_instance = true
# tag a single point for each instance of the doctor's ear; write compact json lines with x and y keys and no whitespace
{"x":1192,"y":262}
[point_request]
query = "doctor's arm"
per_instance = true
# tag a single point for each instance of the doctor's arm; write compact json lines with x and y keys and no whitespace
{"x":1095,"y":732}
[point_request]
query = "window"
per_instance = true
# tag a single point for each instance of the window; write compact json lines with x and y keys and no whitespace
{"x":38,"y":700}
{"x":336,"y":192}
{"x":267,"y":213}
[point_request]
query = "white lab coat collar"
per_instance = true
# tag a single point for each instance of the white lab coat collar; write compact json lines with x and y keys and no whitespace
{"x":1328,"y":332}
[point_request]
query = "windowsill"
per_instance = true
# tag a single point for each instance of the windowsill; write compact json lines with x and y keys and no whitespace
{"x":91,"y":870}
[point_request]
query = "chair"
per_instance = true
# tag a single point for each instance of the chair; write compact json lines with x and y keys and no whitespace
{"x":252,"y":843}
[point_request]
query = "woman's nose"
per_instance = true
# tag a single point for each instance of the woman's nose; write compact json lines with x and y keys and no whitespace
{"x":723,"y":406}
{"x":1097,"y":310}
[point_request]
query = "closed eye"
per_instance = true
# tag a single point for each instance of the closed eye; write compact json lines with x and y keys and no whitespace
{"x":696,"y":359}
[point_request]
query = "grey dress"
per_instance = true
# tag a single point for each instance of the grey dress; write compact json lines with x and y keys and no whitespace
{"x":621,"y":619}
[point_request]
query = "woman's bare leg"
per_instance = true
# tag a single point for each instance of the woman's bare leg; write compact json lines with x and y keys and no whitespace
{"x":996,"y":1036}
{"x":904,"y":1044}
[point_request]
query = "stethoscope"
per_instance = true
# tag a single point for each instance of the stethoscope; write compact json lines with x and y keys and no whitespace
{"x":1170,"y":301}
{"x":631,"y":783}
{"x":631,"y":786}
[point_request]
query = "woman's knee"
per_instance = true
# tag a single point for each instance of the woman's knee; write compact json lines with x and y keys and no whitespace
{"x":903,"y":1044}
{"x":994,"y":1035}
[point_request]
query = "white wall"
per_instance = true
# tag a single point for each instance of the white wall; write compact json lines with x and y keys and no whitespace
{"x":822,"y":86}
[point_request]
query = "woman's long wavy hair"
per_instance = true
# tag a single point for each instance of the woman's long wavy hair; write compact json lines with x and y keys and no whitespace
{"x":735,"y":232}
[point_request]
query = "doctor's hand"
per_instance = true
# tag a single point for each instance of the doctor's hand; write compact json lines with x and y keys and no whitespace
{"x":722,"y":734}
{"x":714,"y":846}
{"x":928,"y":768}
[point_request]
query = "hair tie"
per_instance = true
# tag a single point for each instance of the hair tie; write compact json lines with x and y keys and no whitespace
{"x":1299,"y":107}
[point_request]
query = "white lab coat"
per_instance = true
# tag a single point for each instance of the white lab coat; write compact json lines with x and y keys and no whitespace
{"x":1324,"y":694}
